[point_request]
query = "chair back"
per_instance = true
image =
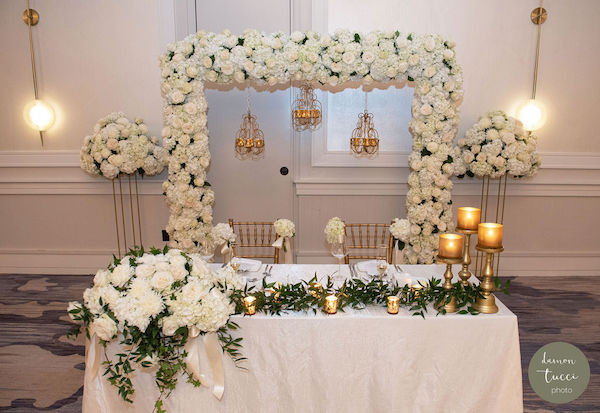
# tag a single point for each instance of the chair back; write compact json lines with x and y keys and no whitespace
{"x":255,"y":240}
{"x":363,"y":241}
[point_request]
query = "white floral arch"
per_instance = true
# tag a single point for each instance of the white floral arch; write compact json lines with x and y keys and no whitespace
{"x":426,"y":60}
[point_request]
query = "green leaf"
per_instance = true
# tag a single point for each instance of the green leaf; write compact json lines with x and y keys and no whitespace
{"x":356,"y":37}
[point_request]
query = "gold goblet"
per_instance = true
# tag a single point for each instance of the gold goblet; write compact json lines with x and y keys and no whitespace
{"x":451,"y":306}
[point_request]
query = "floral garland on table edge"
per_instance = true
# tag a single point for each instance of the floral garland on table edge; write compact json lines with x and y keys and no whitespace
{"x":497,"y":145}
{"x":119,"y":146}
{"x":426,"y":60}
{"x":154,"y":302}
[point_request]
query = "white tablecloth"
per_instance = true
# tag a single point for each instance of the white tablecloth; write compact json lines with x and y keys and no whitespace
{"x":357,"y":361}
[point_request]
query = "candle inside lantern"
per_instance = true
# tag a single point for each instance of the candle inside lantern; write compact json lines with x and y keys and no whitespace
{"x":393,"y":304}
{"x":331,"y":302}
{"x":250,"y":305}
{"x":451,"y":246}
{"x":489,"y":235}
{"x":314,"y":289}
{"x":468,"y":218}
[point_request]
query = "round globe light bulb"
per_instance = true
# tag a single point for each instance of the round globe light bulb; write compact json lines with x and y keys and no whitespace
{"x":39,"y":115}
{"x":532,"y":114}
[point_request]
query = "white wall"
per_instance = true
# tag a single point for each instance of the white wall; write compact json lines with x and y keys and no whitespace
{"x":98,"y":56}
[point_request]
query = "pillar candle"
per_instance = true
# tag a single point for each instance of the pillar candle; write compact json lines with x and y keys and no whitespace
{"x":468,"y":218}
{"x":489,"y":235}
{"x":451,"y":246}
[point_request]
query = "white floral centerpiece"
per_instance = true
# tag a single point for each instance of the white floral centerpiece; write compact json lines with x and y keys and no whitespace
{"x":400,"y":230}
{"x":153,"y":303}
{"x":497,"y":145}
{"x":334,"y":229}
{"x":119,"y":146}
{"x":223,"y":234}
{"x":285,"y":229}
{"x":428,"y":61}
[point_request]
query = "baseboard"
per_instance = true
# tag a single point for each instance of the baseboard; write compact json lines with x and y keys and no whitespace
{"x":513,"y":263}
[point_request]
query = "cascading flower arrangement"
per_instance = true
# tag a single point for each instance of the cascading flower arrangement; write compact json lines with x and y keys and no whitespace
{"x":153,"y":304}
{"x":119,"y":146}
{"x":284,"y":228}
{"x":426,"y":60}
{"x":497,"y":145}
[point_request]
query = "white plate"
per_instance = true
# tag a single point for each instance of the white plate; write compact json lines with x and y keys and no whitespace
{"x":368,"y":267}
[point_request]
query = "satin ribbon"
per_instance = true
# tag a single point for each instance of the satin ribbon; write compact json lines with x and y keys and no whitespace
{"x":286,"y":244}
{"x":397,"y":256}
{"x":226,"y":252}
{"x":92,"y":357}
{"x":214,"y":352}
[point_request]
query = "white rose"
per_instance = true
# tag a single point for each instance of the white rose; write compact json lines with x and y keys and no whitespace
{"x":144,"y":271}
{"x":429,"y":44}
{"x":120,"y":275}
{"x":426,"y":109}
{"x":169,"y":326}
{"x":101,"y":278}
{"x":207,"y":62}
{"x":191,"y":71}
{"x":227,"y":69}
{"x":484,"y":122}
{"x":297,"y":36}
{"x":413,"y":60}
{"x":430,"y":71}
{"x":348,"y":58}
{"x":104,"y":327}
{"x":161,"y":280}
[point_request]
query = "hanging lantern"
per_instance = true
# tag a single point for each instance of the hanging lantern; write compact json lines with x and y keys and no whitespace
{"x":249,"y":141}
{"x":365,"y":139}
{"x":306,"y":112}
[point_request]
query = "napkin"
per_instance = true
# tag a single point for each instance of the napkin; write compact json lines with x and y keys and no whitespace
{"x":249,"y":265}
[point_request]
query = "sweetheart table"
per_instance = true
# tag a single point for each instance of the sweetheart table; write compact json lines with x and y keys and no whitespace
{"x":352,"y":361}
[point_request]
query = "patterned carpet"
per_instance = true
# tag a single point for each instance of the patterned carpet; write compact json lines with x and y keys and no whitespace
{"x":42,"y":370}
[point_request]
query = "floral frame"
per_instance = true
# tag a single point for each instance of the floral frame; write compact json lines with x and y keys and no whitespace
{"x":428,"y":62}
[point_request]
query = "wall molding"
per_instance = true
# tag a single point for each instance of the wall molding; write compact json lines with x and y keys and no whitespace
{"x":570,"y":174}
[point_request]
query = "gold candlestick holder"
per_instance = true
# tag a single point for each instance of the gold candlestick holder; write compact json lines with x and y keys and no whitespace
{"x":451,"y":306}
{"x":487,"y":303}
{"x":464,"y":274}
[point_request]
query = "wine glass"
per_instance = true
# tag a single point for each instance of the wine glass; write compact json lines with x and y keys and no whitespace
{"x":339,"y":250}
{"x":207,"y":250}
{"x":382,"y":264}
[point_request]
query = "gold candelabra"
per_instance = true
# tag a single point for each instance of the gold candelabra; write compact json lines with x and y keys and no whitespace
{"x":306,"y":112}
{"x":487,"y":302}
{"x":365,"y":138}
{"x":449,"y":306}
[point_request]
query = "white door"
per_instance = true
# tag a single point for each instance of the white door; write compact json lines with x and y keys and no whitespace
{"x":248,"y":189}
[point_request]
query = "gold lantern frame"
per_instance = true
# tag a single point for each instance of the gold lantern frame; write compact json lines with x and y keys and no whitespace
{"x":306,"y":111}
{"x":365,"y":138}
{"x":250,"y":140}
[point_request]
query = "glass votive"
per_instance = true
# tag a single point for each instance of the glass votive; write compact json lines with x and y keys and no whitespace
{"x":331,"y":303}
{"x":450,"y":246}
{"x":489,"y":235}
{"x":250,"y":305}
{"x":393,"y":304}
{"x":314,"y":289}
{"x":468,"y":218}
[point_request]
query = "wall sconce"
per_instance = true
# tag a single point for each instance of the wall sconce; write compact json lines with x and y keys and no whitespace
{"x":532,"y":113}
{"x":38,"y":114}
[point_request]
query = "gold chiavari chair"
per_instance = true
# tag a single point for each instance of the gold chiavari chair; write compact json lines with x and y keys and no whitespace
{"x":255,"y":240}
{"x":363,"y":241}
